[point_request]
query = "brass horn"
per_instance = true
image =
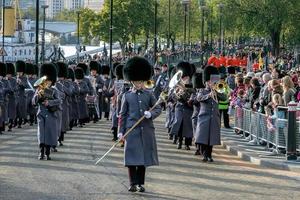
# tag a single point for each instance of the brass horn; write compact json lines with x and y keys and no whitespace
{"x":40,"y":81}
{"x":149,"y":84}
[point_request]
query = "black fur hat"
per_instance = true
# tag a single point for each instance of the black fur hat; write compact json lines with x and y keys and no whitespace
{"x":94,"y":65}
{"x":36,"y":69}
{"x":208,"y":71}
{"x":119,"y":71}
{"x":83,"y":66}
{"x":79,"y":74}
{"x":105,"y":69}
{"x":186,"y":68}
{"x":20,"y":66}
{"x":231,"y":70}
{"x":197,"y":80}
{"x":71,"y":74}
{"x":49,"y":70}
{"x":222,"y":70}
{"x":62,"y":69}
{"x":137,"y":69}
{"x":11,"y":69}
{"x":3,"y":69}
{"x":29,"y":69}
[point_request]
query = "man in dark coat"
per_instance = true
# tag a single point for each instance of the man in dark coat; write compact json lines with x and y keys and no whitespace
{"x":208,"y":131}
{"x":12,"y":89}
{"x":182,"y":126}
{"x":48,"y":103}
{"x":22,"y":84}
{"x":140,"y":145}
{"x":3,"y":92}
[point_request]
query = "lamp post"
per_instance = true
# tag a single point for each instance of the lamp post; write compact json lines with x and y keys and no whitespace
{"x":37,"y":16}
{"x":43,"y":37}
{"x":111,"y":35}
{"x":155,"y":32}
{"x":3,"y":27}
{"x":202,"y":8}
{"x":220,"y":27}
{"x":169,"y":24}
{"x":78,"y":37}
{"x":185,"y":3}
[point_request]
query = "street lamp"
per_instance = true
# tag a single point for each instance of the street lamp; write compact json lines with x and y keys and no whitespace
{"x":169,"y":24}
{"x":221,"y":6}
{"x":43,"y":37}
{"x":3,"y":25}
{"x":155,"y":32}
{"x":111,"y":35}
{"x":78,"y":36}
{"x":37,"y":16}
{"x":185,"y":3}
{"x":202,"y":8}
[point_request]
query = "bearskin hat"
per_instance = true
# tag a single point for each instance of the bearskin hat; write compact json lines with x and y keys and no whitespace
{"x":29,"y":69}
{"x":71,"y":74}
{"x":11,"y":69}
{"x":94,"y":65}
{"x":222,"y":70}
{"x":137,"y":69}
{"x":20,"y":66}
{"x":83,"y":66}
{"x":186,"y":68}
{"x":79,"y":74}
{"x":49,"y":70}
{"x":208,"y":71}
{"x":119,"y":71}
{"x":36,"y":69}
{"x":197,"y":81}
{"x":105,"y":69}
{"x":62,"y":69}
{"x":231,"y":70}
{"x":3,"y":69}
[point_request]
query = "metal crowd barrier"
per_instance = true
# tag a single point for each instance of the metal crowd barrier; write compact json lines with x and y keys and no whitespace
{"x":255,"y":125}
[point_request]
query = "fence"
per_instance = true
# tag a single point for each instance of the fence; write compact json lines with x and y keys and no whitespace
{"x":264,"y":128}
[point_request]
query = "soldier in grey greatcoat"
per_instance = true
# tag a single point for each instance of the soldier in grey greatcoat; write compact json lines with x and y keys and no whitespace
{"x":140,"y":145}
{"x":3,"y":93}
{"x":182,"y":125}
{"x":65,"y":91}
{"x":73,"y":100}
{"x":11,"y":89}
{"x":107,"y":91}
{"x":83,"y":90}
{"x":22,"y":84}
{"x":209,"y":125}
{"x":197,"y":81}
{"x":31,"y":110}
{"x":48,"y":103}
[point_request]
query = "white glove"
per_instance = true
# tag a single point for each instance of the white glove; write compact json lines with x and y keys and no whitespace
{"x":100,"y":90}
{"x":120,"y":135}
{"x":147,"y":114}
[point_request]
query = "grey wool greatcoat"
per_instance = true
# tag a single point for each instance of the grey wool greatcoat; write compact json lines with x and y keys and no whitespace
{"x":82,"y":105}
{"x":183,"y":115}
{"x":64,"y":88}
{"x":12,"y":106}
{"x":74,"y":115}
{"x":140,"y":145}
{"x":47,"y":121}
{"x":2,"y":103}
{"x":106,"y":95}
{"x":29,"y":95}
{"x":208,"y":125}
{"x":21,"y":97}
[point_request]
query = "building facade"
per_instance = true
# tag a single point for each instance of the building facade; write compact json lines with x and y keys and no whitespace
{"x":95,"y":5}
{"x":55,"y":7}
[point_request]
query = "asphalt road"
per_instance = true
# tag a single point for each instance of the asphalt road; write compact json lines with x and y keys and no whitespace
{"x":71,"y":174}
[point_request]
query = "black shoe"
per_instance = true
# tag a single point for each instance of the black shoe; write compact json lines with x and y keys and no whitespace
{"x":132,"y":188}
{"x":41,"y":157}
{"x":210,"y":160}
{"x":170,"y":137}
{"x":61,"y":144}
{"x":140,"y":188}
{"x":54,"y":150}
{"x":31,"y":124}
{"x":197,"y":153}
{"x":19,"y":126}
{"x":187,"y":147}
{"x":229,"y":127}
{"x":179,"y":146}
{"x":48,"y":158}
{"x":9,"y":130}
{"x":204,"y":159}
{"x":174,"y":141}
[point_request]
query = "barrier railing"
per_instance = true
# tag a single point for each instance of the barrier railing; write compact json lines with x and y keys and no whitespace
{"x":261,"y":127}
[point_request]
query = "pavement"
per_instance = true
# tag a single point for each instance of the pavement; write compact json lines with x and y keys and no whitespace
{"x":73,"y":175}
{"x":256,"y":154}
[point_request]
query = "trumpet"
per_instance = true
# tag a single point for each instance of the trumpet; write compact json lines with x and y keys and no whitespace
{"x":149,"y":84}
